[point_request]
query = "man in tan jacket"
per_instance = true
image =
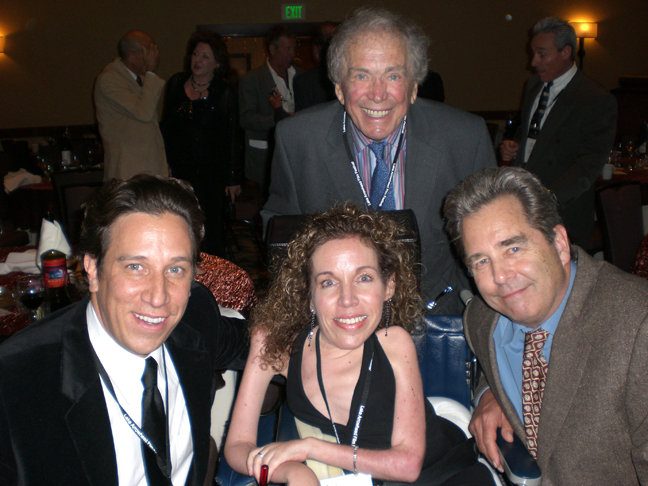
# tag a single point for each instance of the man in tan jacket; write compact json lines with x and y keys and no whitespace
{"x":126,"y":95}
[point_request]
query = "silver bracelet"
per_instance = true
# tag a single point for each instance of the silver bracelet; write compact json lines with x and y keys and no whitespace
{"x":355,"y":459}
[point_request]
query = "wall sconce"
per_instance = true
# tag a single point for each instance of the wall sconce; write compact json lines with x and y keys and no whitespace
{"x":584,"y":30}
{"x":2,"y":44}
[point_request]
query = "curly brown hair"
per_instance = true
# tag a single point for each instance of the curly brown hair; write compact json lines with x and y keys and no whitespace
{"x":285,"y":311}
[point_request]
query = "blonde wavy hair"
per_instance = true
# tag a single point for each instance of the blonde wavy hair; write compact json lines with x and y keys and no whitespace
{"x":285,"y":311}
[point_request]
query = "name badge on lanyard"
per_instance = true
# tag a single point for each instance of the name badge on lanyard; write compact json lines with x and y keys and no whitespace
{"x":359,"y":479}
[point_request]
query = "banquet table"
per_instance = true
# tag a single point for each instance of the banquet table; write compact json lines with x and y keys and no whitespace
{"x":624,"y":175}
{"x":13,"y":321}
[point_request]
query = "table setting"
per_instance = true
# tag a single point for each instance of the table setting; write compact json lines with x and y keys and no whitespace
{"x":23,"y":294}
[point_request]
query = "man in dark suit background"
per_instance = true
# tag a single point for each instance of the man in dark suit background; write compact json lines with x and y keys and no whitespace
{"x":313,"y":87}
{"x":73,"y":409}
{"x":266,"y":95}
{"x":325,"y":155}
{"x":567,"y":145}
{"x":584,"y":418}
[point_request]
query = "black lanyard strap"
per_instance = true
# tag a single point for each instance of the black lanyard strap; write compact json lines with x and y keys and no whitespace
{"x":363,"y":400}
{"x":129,"y":421}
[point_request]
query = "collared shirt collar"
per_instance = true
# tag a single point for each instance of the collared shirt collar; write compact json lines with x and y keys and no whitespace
{"x":286,"y":90}
{"x":135,"y":76}
{"x":551,"y":324}
{"x":561,"y":81}
{"x":509,"y":346}
{"x":361,"y":141}
{"x":365,"y":159}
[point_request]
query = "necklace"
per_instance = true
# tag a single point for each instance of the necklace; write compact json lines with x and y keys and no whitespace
{"x":196,"y":83}
{"x":200,"y":88}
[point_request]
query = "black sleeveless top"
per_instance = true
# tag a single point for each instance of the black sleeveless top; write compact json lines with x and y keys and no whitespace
{"x":378,"y":420}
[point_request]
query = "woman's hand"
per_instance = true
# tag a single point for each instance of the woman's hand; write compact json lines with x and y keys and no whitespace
{"x":285,"y":462}
{"x":276,"y":453}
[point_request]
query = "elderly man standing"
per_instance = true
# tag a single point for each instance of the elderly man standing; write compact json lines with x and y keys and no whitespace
{"x":380,"y":146}
{"x":126,"y":95}
{"x":562,"y":339}
{"x":118,"y":388}
{"x":567,"y":129}
{"x":266,"y":96}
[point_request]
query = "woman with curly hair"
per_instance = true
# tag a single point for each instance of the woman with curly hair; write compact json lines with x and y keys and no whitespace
{"x":336,"y":323}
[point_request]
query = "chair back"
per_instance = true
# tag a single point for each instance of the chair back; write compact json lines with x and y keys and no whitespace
{"x":620,"y":212}
{"x":445,"y":360}
{"x":73,"y":189}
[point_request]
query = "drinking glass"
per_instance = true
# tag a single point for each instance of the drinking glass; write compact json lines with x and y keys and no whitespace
{"x":30,"y":292}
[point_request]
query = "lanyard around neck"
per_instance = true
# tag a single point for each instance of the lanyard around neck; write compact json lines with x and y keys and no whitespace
{"x":129,"y":421}
{"x":363,"y":400}
{"x":354,"y":165}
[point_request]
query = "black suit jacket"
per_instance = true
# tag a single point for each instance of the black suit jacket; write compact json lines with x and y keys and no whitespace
{"x":572,"y":147}
{"x":311,"y":172}
{"x":54,"y":426}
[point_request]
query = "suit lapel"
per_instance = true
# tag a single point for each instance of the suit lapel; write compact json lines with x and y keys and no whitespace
{"x":534,"y":88}
{"x":337,"y":162}
{"x":421,"y":164}
{"x":192,"y":363}
{"x":569,"y":355}
{"x":562,"y":107}
{"x":496,"y":381}
{"x":86,"y":418}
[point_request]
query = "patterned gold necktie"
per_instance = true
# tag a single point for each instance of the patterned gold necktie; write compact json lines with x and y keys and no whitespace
{"x":534,"y":377}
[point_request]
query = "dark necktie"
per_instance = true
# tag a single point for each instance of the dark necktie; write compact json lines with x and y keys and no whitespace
{"x":154,"y":425}
{"x":536,"y":119}
{"x":380,"y":179}
{"x":534,"y":377}
{"x":139,"y":80}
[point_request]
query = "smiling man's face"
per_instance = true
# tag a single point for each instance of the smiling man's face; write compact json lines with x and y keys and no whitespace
{"x":142,"y":289}
{"x":377,"y":87}
{"x":517,"y":271}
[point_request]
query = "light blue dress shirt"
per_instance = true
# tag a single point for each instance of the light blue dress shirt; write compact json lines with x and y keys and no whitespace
{"x":509,"y":347}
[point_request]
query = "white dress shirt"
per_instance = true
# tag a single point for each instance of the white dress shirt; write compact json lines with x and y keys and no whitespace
{"x":286,"y":91}
{"x":125,"y":371}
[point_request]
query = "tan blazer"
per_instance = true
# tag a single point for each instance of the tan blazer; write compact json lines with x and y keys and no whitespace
{"x":128,"y":122}
{"x":594,"y":421}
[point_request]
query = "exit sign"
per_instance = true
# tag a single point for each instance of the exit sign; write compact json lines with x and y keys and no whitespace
{"x":293,"y":12}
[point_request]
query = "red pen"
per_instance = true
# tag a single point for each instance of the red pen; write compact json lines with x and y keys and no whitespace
{"x":263,"y":479}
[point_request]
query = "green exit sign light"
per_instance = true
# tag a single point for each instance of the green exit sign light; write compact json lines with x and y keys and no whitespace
{"x":293,"y":12}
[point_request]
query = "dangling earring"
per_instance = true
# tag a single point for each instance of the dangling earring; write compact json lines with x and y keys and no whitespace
{"x":312,"y":326}
{"x":388,"y":314}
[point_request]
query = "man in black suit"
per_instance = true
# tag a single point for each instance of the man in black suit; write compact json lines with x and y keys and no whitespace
{"x":73,"y":408}
{"x":567,"y":141}
{"x":313,"y":87}
{"x":325,"y":155}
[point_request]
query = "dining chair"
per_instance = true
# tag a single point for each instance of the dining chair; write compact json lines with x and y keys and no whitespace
{"x":73,"y":189}
{"x":620,"y":213}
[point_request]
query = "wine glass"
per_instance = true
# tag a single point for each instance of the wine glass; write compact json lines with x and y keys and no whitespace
{"x":30,"y":291}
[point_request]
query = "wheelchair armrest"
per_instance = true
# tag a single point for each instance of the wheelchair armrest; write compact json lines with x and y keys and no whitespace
{"x":519,"y":465}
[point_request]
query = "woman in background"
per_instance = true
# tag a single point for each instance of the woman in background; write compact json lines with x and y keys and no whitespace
{"x":336,"y":323}
{"x":201,"y":132}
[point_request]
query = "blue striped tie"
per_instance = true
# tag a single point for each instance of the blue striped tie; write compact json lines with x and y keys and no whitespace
{"x":380,"y":178}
